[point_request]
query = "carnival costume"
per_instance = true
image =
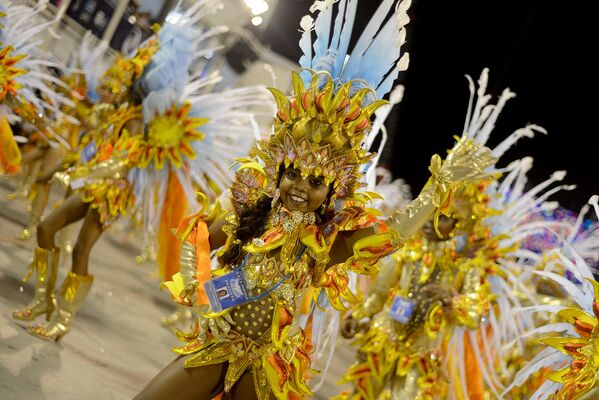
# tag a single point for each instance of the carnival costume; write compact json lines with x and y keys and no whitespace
{"x":61,"y":140}
{"x":137,"y":152}
{"x":105,"y":165}
{"x":425,"y":347}
{"x":299,"y":261}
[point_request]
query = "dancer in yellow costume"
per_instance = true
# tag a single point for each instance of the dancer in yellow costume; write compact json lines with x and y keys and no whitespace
{"x":139,"y":150}
{"x":59,"y":148}
{"x":430,"y":283}
{"x":439,"y":317}
{"x":298,"y":223}
{"x":61,"y":137}
{"x":97,"y":204}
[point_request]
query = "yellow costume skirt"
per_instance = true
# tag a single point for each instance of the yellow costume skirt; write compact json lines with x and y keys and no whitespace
{"x":279,"y":362}
{"x":111,"y":197}
{"x":388,"y":364}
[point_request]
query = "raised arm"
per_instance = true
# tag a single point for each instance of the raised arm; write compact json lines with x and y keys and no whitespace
{"x":465,"y":162}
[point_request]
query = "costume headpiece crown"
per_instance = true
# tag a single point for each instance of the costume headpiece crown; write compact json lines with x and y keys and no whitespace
{"x":323,"y":128}
{"x":320,"y":130}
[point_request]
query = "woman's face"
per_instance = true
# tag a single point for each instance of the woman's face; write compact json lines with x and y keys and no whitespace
{"x":299,"y":194}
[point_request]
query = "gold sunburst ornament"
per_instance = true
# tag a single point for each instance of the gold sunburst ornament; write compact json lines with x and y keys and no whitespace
{"x":170,"y":136}
{"x":8,"y":72}
{"x":580,"y":376}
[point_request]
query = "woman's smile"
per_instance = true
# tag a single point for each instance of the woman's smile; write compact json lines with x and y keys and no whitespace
{"x":299,"y":200}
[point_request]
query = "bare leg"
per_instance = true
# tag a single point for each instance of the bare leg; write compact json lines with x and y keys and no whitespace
{"x":66,"y":236}
{"x":90,"y":232}
{"x":39,"y":198}
{"x":71,"y":210}
{"x":32,"y":155}
{"x":178,"y":383}
{"x":40,"y":191}
{"x":50,"y":164}
{"x":25,"y":179}
{"x":244,"y":388}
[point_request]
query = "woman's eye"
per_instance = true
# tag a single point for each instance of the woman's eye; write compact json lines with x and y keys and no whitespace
{"x":315,"y":182}
{"x":292,"y":174}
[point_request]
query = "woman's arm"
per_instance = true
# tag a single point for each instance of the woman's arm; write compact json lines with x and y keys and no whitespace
{"x":199,"y":234}
{"x":343,"y":247}
{"x":405,"y":223}
{"x":467,"y":161}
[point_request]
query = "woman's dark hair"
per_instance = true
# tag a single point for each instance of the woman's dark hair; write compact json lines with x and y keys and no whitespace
{"x":252,"y":221}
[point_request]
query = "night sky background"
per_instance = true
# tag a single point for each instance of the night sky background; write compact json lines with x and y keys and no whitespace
{"x":541,"y":50}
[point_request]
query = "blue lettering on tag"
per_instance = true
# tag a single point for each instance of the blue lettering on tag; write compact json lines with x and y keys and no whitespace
{"x":401,"y":309}
{"x":88,"y":152}
{"x":227,"y":291}
{"x":230,"y":290}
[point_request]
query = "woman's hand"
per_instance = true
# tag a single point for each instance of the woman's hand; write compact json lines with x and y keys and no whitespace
{"x":352,"y":326}
{"x":218,"y":324}
{"x":440,"y":293}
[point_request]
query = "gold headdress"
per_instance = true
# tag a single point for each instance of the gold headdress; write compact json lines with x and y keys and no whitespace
{"x":319,"y":130}
{"x":322,"y":128}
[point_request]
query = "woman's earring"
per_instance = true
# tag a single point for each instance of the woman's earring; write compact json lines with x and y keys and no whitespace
{"x":275,"y":198}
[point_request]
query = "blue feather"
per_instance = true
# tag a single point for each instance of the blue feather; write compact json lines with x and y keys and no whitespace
{"x":338,"y":22}
{"x":348,"y":25}
{"x":381,"y":55}
{"x":352,"y":67}
{"x":322,"y":29}
{"x":387,"y":84}
{"x":305,"y":45}
{"x":373,"y":61}
{"x":166,"y":75}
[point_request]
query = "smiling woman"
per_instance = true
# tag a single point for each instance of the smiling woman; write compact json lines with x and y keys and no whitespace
{"x":298,"y":225}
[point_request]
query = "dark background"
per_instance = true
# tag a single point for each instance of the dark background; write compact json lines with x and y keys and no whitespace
{"x":541,"y":50}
